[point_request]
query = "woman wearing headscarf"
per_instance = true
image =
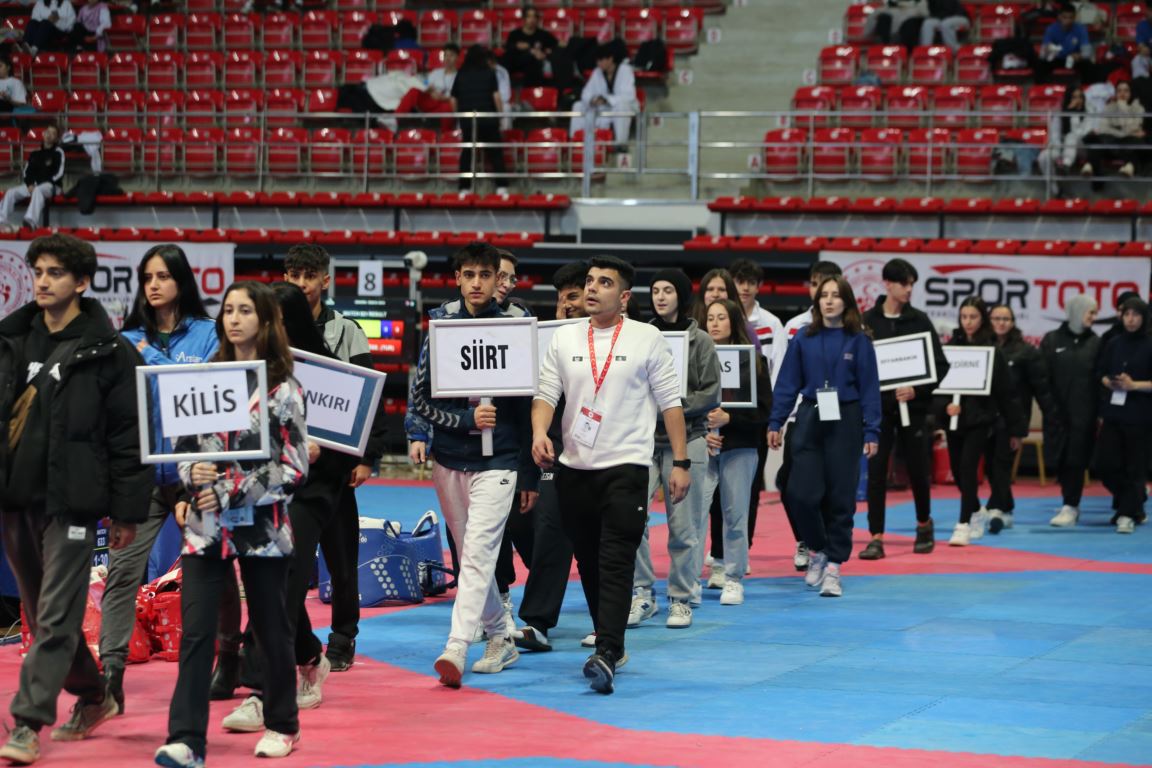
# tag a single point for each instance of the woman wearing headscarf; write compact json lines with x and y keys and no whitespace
{"x":1070,"y":352}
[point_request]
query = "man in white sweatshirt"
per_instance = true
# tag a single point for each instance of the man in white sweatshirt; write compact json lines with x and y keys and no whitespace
{"x":615,"y":375}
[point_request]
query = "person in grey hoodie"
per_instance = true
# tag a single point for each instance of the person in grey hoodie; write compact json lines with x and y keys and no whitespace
{"x":671,"y":300}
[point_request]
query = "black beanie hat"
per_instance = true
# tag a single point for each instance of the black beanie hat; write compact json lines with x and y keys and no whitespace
{"x":681,"y":283}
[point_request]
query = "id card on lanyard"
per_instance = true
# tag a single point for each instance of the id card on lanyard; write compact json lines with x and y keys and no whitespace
{"x":588,"y":419}
{"x":827,"y":398}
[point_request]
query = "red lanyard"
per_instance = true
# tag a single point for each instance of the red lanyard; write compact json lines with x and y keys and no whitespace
{"x":599,"y":380}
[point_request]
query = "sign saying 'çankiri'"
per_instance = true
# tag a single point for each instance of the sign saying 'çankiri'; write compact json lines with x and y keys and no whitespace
{"x":483,"y":358}
{"x":342,"y":400}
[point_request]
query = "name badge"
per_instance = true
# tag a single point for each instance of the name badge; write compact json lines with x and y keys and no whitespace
{"x":236,"y":518}
{"x":77,"y":533}
{"x":587,"y":426}
{"x":828,"y":404}
{"x":1119,"y":396}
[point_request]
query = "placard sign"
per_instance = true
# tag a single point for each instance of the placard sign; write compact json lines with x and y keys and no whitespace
{"x":905,"y":361}
{"x":737,"y":375}
{"x":678,"y":344}
{"x":342,"y":399}
{"x":970,"y":372}
{"x":200,"y":399}
{"x":546,"y":329}
{"x":483,"y":358}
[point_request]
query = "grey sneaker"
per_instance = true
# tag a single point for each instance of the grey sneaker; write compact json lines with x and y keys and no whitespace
{"x":1125,"y":524}
{"x":679,"y":615}
{"x":509,"y":619}
{"x":312,"y":677}
{"x":830,"y":586}
{"x":715,"y":576}
{"x":733,"y":593}
{"x":500,"y":653}
{"x":800,"y":559}
{"x":246,"y":718}
{"x":815,"y":573}
{"x":450,"y":665}
{"x":643,"y":608}
{"x":22,"y":747}
{"x":85,"y":718}
{"x":977,"y":524}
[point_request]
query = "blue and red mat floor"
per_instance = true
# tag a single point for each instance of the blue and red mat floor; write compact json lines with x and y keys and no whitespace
{"x":1031,"y":648}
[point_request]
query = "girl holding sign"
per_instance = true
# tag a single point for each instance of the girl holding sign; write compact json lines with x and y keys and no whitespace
{"x":239,"y":510}
{"x":168,"y":325}
{"x":832,"y":365}
{"x":978,"y":419}
{"x":732,"y":440}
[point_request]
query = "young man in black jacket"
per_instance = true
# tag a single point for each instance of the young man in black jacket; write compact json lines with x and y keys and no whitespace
{"x":43,"y":174}
{"x":69,"y":456}
{"x":893,"y":315}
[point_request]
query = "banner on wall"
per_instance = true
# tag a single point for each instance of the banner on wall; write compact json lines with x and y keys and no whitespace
{"x":115,"y":281}
{"x":1035,"y":287}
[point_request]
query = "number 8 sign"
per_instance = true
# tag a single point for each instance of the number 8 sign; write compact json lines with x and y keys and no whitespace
{"x":370,"y":278}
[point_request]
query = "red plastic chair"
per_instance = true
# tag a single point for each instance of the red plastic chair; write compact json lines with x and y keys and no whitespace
{"x":927,"y":151}
{"x":952,"y":105}
{"x":321,"y":100}
{"x":996,"y":21}
{"x":278,"y":30}
{"x":831,"y":150}
{"x":436,"y":28}
{"x":972,"y":67}
{"x":413,"y":152}
{"x":124,"y":108}
{"x":360,"y":65}
{"x":282,"y":69}
{"x":242,"y":107}
{"x":402,"y":60}
{"x":353,"y":25}
{"x":87,"y":70}
{"x":242,"y":152}
{"x":202,"y":69}
{"x":126,"y":70}
{"x":930,"y":64}
{"x":784,"y":151}
{"x":1000,"y":103}
{"x":561,"y":22}
{"x":838,"y":64}
{"x":371,"y":149}
{"x":682,"y":29}
{"x":85,"y":110}
{"x":601,"y":23}
{"x":856,"y":21}
{"x":601,"y":139}
{"x":448,"y":151}
{"x":160,"y":151}
{"x":328,"y":150}
{"x":164,"y":109}
{"x":641,"y":25}
{"x":1042,"y":101}
{"x":477,"y":28}
{"x":541,"y":99}
{"x":320,"y":29}
{"x":122,"y":151}
{"x":49,"y":102}
{"x":202,"y":148}
{"x":203,"y":108}
{"x":127,"y":32}
{"x":202,"y":34}
{"x":878,"y":152}
{"x":545,"y":150}
{"x":164,"y":32}
{"x":974,"y":151}
{"x":820,"y":100}
{"x":904,"y":105}
{"x":239,"y":31}
{"x":48,"y":70}
{"x":286,"y":151}
{"x":162,"y":69}
{"x":1128,"y":16}
{"x":241,"y":70}
{"x":859,"y":104}
{"x":887,"y":62}
{"x":282,"y":107}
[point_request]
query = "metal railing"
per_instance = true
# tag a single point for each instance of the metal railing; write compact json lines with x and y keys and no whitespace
{"x":690,"y":148}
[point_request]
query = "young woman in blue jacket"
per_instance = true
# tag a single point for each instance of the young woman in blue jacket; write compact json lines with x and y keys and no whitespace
{"x":169,"y":325}
{"x":832,"y":366}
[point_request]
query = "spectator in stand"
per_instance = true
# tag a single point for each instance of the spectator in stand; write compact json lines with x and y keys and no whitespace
{"x":476,"y":89}
{"x":504,"y":83}
{"x":1125,"y":370}
{"x":440,"y":79}
{"x":949,"y":19}
{"x":405,"y":36}
{"x":437,"y":97}
{"x":1028,"y":373}
{"x":528,"y":50}
{"x":50,"y":26}
{"x":90,"y":33}
{"x":1070,"y":352}
{"x":884,"y":26}
{"x":612,"y":87}
{"x":1066,"y":45}
{"x":1120,"y":128}
{"x":12,"y":91}
{"x":1142,"y":61}
{"x":42,"y":176}
{"x":1066,"y":134}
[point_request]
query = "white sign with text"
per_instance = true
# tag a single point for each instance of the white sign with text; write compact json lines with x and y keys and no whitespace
{"x":678,"y":344}
{"x":483,"y":358}
{"x":342,"y":399}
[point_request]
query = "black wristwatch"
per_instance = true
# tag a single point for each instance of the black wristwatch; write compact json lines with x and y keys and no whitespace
{"x":682,"y":463}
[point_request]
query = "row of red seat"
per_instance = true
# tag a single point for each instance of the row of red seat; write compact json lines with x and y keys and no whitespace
{"x":286,"y":236}
{"x":994,"y":21}
{"x":930,"y":206}
{"x":943,"y":106}
{"x":913,"y":245}
{"x":326,"y":30}
{"x":287,"y":199}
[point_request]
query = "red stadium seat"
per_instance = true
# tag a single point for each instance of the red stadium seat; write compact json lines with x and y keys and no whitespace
{"x":203,"y":108}
{"x":164,"y":32}
{"x":601,"y":140}
{"x":402,"y":60}
{"x":122,"y":151}
{"x":282,"y":107}
{"x":126,"y":70}
{"x":1128,"y":15}
{"x":927,"y":151}
{"x":601,"y":23}
{"x":682,"y":29}
{"x":945,"y":245}
{"x":972,"y":67}
{"x":508,"y":19}
{"x":322,"y":69}
{"x":202,"y":148}
{"x":641,"y":25}
{"x":124,"y":108}
{"x":546,"y":150}
{"x":282,"y":69}
{"x":286,"y":151}
{"x":996,"y":247}
{"x":974,"y":151}
{"x":930,"y":64}
{"x":48,"y":70}
{"x":1044,"y":248}
{"x":239,"y":31}
{"x":242,"y":107}
{"x":85,"y":110}
{"x":413,"y":152}
{"x":838,"y":64}
{"x":999,"y":105}
{"x":127,"y":32}
{"x":856,"y":21}
{"x":477,"y":27}
{"x":1043,"y":100}
{"x":542,"y":99}
{"x":784,"y":151}
{"x":87,"y":70}
{"x":160,"y":151}
{"x":447,"y":150}
{"x":164,"y":69}
{"x":819,"y":100}
{"x":904,"y":105}
{"x":360,"y":65}
{"x":242,"y":152}
{"x":202,"y":33}
{"x":1094,"y":248}
{"x":164,"y":109}
{"x":858,"y":105}
{"x":321,"y":100}
{"x":329,"y":150}
{"x":996,"y":21}
{"x":952,"y":105}
{"x":49,"y":102}
{"x":561,"y":22}
{"x":1136,"y":249}
{"x":241,"y":69}
{"x":278,"y":31}
{"x":371,"y":149}
{"x":318,"y":32}
{"x":879,"y":151}
{"x":887,"y":62}
{"x":436,"y":28}
{"x":202,"y":69}
{"x":831,"y":150}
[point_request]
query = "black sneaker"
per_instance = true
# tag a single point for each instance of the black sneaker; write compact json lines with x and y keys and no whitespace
{"x":114,"y":676}
{"x":341,"y":653}
{"x":532,"y":639}
{"x":925,"y":539}
{"x":600,"y":670}
{"x":874,"y":550}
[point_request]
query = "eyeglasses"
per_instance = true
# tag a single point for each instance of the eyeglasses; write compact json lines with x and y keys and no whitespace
{"x":504,"y":277}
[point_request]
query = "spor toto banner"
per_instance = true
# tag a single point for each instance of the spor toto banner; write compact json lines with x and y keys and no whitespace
{"x":115,"y":280}
{"x":1035,"y":287}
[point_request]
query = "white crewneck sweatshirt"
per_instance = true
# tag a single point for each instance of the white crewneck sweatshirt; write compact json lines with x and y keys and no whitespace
{"x":641,"y":382}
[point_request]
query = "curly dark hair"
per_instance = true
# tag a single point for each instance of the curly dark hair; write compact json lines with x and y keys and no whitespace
{"x":75,"y":255}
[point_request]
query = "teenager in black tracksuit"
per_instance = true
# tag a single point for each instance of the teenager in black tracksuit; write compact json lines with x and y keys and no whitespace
{"x":893,"y":316}
{"x":979,"y":416}
{"x":1071,"y":352}
{"x":1028,"y":372}
{"x":1125,"y":370}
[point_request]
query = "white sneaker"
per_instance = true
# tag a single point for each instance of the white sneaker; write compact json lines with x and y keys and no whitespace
{"x":1125,"y":524}
{"x":733,"y":593}
{"x":1066,"y":517}
{"x":450,"y":665}
{"x":500,"y":653}
{"x":273,"y":744}
{"x":178,"y":755}
{"x":977,"y":524}
{"x":830,"y":585}
{"x":589,"y":640}
{"x":312,"y":677}
{"x":716,"y":577}
{"x":246,"y":718}
{"x":679,"y":615}
{"x":643,"y":608}
{"x":816,"y":563}
{"x":1128,"y":170}
{"x":961,"y":535}
{"x":509,"y":619}
{"x":800,"y":559}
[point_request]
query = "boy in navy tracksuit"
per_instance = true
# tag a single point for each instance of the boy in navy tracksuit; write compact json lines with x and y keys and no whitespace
{"x":833,"y":366}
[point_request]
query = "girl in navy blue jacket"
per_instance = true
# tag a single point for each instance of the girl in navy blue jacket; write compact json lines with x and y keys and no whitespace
{"x":832,"y":367}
